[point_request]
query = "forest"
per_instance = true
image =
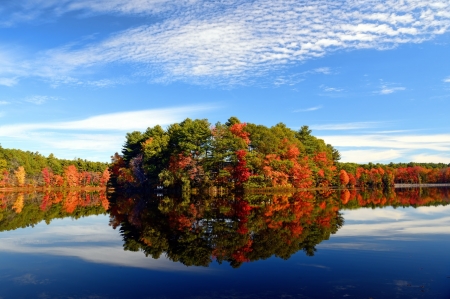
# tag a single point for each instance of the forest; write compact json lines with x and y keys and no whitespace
{"x":24,"y":169}
{"x":194,"y":153}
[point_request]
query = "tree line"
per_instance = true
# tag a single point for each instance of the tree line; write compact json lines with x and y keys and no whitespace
{"x":24,"y":168}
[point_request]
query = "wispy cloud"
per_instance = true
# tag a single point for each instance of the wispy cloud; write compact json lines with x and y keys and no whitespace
{"x":436,"y":142}
{"x":447,"y":80}
{"x":97,"y":135}
{"x":388,"y":90}
{"x":370,"y":155}
{"x":121,"y":121}
{"x":389,"y":224}
{"x":32,"y":10}
{"x":309,"y":109}
{"x":39,"y":100}
{"x":4,"y":103}
{"x":346,"y":126}
{"x":8,"y":81}
{"x":96,"y":242}
{"x":331,"y":89}
{"x":430,"y":158}
{"x":227,"y":41}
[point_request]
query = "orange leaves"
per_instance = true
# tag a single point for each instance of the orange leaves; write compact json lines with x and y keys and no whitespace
{"x":179,"y":162}
{"x":105,"y":177}
{"x":238,"y":130}
{"x":71,"y":175}
{"x":343,"y":177}
{"x":345,"y":196}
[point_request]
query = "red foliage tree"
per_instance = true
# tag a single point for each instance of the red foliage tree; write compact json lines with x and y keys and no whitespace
{"x":241,"y":173}
{"x":47,"y":175}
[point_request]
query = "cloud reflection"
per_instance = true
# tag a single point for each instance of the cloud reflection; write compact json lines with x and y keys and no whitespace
{"x":389,"y":222}
{"x":90,"y":239}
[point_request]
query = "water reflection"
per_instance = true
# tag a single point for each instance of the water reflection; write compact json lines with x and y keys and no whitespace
{"x":235,"y":228}
{"x":366,"y":257}
{"x":232,"y":228}
{"x":19,"y":210}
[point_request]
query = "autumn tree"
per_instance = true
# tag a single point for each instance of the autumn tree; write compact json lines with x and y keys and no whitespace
{"x":71,"y":176}
{"x":344,"y":178}
{"x":20,"y":174}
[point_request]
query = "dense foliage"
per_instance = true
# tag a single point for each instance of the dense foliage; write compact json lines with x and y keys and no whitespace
{"x":194,"y":153}
{"x":19,"y":168}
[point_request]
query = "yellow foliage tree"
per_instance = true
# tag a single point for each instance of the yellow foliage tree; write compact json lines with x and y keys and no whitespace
{"x":20,"y":176}
{"x":18,"y":204}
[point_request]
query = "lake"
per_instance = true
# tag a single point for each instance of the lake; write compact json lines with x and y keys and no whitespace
{"x":337,"y":244}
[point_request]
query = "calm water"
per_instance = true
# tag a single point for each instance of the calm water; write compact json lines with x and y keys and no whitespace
{"x":304,"y":245}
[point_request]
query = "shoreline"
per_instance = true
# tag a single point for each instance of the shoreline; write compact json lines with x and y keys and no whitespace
{"x":44,"y":189}
{"x":421,"y":185}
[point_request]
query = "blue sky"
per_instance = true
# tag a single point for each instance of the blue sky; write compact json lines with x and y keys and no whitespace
{"x":371,"y":78}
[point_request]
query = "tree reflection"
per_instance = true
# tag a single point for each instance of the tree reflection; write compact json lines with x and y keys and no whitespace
{"x":408,"y":197}
{"x":20,"y":210}
{"x":235,"y":228}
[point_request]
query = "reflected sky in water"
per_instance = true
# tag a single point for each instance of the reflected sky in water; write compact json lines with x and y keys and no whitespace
{"x":384,"y":252}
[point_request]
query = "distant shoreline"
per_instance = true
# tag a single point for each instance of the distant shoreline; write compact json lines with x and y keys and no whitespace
{"x":43,"y":189}
{"x":421,"y":185}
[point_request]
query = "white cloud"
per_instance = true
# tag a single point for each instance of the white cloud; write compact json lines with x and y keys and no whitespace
{"x":121,"y":121}
{"x":29,"y":10}
{"x":100,"y":135}
{"x":429,"y":158}
{"x":370,"y":155}
{"x":332,"y":89}
{"x":96,"y":242}
{"x":309,"y":109}
{"x":39,"y":100}
{"x":346,"y":126}
{"x":323,"y":70}
{"x":390,"y":222}
{"x":436,"y":142}
{"x":447,"y":80}
{"x":4,"y":103}
{"x":390,"y":146}
{"x":8,"y":81}
{"x":389,"y":90}
{"x":227,"y":41}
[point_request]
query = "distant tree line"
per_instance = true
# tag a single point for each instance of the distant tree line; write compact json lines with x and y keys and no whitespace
{"x":24,"y":168}
{"x":376,"y":175}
